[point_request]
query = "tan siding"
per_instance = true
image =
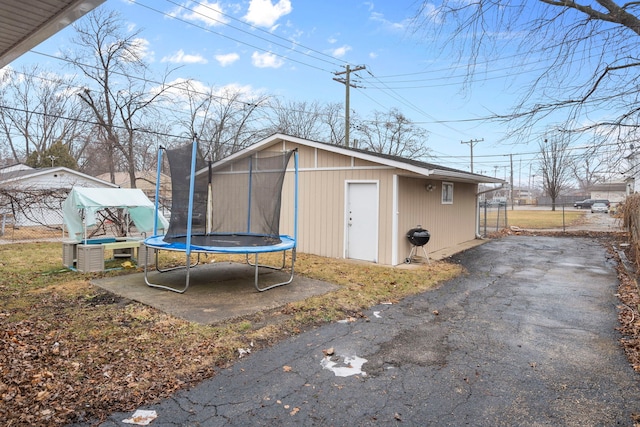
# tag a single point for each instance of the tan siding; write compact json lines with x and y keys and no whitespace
{"x":365,"y":163}
{"x":321,"y":211}
{"x":332,"y":160}
{"x":306,"y":156}
{"x":448,"y":224}
{"x":321,"y":206}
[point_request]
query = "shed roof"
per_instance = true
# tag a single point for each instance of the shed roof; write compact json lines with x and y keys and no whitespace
{"x":403,"y":164}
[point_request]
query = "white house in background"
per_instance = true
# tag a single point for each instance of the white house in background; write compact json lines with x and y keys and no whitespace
{"x":615,"y":192}
{"x":30,"y":197}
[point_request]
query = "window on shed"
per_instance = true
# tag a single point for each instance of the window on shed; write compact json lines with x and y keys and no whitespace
{"x":447,"y":193}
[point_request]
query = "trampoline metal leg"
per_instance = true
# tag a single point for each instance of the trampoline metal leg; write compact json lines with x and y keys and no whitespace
{"x":188,"y":266}
{"x":256,"y":264}
{"x":286,"y":282}
{"x":284,"y":257}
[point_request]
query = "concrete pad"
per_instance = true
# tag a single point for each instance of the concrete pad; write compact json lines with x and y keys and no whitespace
{"x":217,"y":291}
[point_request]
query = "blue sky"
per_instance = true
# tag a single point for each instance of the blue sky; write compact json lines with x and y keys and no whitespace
{"x":292,"y":48}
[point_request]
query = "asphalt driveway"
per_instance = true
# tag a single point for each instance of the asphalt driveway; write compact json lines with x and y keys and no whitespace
{"x":527,"y":337}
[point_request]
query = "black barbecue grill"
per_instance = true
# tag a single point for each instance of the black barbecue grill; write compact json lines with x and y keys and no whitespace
{"x":418,"y":237}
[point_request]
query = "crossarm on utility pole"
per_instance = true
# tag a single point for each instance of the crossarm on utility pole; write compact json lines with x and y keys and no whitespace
{"x":347,"y":83}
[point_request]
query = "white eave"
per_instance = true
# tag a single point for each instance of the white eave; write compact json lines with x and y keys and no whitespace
{"x":427,"y":170}
{"x":26,"y":23}
{"x":60,"y":169}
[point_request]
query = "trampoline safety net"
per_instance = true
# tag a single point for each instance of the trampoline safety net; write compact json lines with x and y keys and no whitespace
{"x":238,"y":205}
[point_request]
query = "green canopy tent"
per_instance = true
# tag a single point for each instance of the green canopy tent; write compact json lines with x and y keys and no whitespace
{"x":91,"y":200}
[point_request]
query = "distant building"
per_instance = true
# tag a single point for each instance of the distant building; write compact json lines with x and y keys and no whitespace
{"x":615,"y":192}
{"x":145,"y":181}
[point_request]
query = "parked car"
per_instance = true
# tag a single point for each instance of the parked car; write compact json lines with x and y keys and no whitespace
{"x":599,"y":207}
{"x":586,"y":204}
{"x":492,"y":203}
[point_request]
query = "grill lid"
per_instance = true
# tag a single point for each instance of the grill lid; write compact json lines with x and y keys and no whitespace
{"x":418,"y":236}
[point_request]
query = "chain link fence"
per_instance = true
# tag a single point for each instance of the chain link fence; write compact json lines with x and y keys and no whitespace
{"x":494,"y":217}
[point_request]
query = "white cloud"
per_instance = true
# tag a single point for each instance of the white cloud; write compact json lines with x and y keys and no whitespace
{"x":263,"y":13}
{"x":182,"y":90}
{"x":432,"y":13}
{"x":340,"y":51}
{"x":266,"y":60}
{"x":227,"y":59}
{"x":373,"y":55}
{"x":139,"y":50}
{"x":181,"y":58}
{"x":390,"y":25}
{"x":5,"y":73}
{"x":208,"y":13}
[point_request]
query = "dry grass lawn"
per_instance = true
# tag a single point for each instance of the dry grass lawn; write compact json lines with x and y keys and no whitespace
{"x":72,"y":352}
{"x":538,"y":219}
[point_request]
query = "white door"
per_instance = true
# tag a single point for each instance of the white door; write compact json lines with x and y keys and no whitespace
{"x":362,"y":221}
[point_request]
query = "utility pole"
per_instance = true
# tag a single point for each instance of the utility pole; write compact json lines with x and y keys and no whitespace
{"x":347,"y":83}
{"x":471,"y":143}
{"x":511,"y":186}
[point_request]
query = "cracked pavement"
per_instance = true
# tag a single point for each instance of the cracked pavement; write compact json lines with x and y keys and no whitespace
{"x":527,"y":337}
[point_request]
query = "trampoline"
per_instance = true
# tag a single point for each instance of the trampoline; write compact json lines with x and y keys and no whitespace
{"x":233,"y":207}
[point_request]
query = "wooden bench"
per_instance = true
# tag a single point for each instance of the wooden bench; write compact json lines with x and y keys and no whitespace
{"x":134,"y":245}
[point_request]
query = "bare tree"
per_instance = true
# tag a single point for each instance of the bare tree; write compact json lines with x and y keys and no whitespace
{"x":224,"y":120}
{"x":310,"y":120}
{"x":296,"y":118}
{"x":595,"y":162}
{"x":37,"y":109}
{"x":121,"y":95}
{"x":555,"y":166}
{"x":587,"y":171}
{"x":333,"y":117}
{"x":392,"y":133}
{"x":33,"y":205}
{"x":590,"y":48}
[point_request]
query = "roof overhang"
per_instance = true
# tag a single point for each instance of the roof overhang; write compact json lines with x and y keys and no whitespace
{"x":404,"y":168}
{"x":13,"y":179}
{"x":26,"y":23}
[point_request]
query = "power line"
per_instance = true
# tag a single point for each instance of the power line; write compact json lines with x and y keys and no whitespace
{"x":329,"y":58}
{"x":241,"y":42}
{"x":471,"y":143}
{"x":348,"y":85}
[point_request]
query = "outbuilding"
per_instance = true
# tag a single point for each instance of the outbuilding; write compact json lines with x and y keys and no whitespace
{"x":357,"y":204}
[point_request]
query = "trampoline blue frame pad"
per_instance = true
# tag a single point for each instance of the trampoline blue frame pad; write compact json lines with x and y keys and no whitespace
{"x":157,"y":242}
